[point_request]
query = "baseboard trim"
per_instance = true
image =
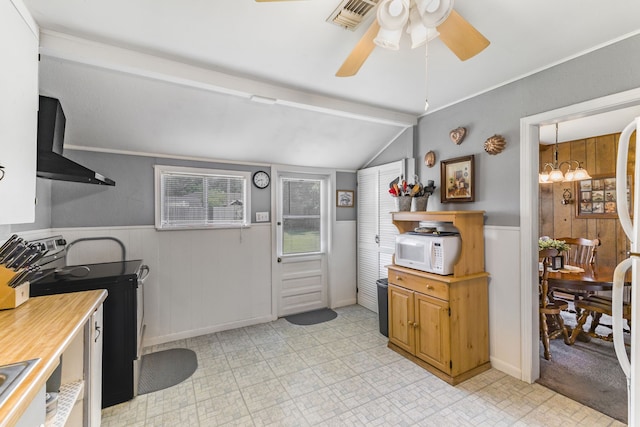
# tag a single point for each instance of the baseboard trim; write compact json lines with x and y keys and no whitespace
{"x":507,"y":368}
{"x":344,"y":303}
{"x":208,"y":330}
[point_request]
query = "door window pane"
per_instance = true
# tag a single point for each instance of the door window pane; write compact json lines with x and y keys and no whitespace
{"x":301,"y":216}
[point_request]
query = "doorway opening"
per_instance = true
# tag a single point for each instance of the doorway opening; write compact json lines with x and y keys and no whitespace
{"x":529,"y":214}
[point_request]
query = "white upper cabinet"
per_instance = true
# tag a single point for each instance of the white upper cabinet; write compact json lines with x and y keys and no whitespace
{"x":18,"y":112}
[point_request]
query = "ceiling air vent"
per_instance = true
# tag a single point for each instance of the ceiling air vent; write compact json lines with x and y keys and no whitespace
{"x":350,"y":13}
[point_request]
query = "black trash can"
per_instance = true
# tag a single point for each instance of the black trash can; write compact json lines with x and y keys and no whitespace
{"x":383,"y":308}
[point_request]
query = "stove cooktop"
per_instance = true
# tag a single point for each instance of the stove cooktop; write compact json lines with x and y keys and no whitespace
{"x":105,"y":271}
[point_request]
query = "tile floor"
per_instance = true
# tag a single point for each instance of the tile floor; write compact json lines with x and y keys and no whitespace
{"x":337,"y":373}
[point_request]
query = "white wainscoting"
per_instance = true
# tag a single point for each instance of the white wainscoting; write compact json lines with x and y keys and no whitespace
{"x":502,"y":253}
{"x":342,"y":265}
{"x":204,"y":281}
{"x":201,"y":281}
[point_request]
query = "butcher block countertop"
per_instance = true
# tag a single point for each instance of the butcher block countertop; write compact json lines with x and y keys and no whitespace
{"x":41,"y":328}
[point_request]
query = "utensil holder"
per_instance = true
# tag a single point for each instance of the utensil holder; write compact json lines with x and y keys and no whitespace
{"x":11,"y":297}
{"x":403,"y":203}
{"x":419,"y":204}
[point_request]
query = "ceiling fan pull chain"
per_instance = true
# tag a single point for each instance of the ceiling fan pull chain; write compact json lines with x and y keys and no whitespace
{"x":426,"y":80}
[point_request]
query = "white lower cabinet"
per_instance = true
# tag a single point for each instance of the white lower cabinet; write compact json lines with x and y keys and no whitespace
{"x":35,"y":413}
{"x":94,"y":400}
{"x":80,"y":398}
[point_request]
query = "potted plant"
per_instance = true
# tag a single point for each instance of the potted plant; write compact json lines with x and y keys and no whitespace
{"x":560,"y":245}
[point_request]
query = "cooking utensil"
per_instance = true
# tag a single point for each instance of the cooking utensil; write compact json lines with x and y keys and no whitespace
{"x":18,"y":260}
{"x":33,"y":258}
{"x":9,"y":249}
{"x":7,"y":244}
{"x":17,"y":250}
{"x":17,"y":279}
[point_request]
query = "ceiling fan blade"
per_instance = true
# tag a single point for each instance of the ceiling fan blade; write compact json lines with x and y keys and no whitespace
{"x":360,"y":52}
{"x":461,"y":37}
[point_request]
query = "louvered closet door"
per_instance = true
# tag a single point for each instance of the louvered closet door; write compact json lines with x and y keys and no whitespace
{"x":376,"y":232}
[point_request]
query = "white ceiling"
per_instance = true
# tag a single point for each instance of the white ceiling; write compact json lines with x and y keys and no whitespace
{"x":187,"y":93}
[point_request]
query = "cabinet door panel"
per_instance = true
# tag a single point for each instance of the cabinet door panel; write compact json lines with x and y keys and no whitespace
{"x":432,"y":331}
{"x":401,"y":306}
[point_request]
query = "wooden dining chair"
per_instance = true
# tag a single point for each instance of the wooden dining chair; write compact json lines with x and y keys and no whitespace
{"x":596,"y":306}
{"x":549,"y":309}
{"x":581,"y":250}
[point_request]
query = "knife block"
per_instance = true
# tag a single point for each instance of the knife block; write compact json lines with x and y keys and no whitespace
{"x":11,"y":297}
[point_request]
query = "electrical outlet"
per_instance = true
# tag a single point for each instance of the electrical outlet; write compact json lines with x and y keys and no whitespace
{"x":262,"y":216}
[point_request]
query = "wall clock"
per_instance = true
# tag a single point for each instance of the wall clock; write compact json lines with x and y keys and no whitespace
{"x":261,"y":179}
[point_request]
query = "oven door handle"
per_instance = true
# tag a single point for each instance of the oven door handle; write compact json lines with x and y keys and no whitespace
{"x":144,"y":272}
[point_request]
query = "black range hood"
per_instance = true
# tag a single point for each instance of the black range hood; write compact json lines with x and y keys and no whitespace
{"x":51,"y":163}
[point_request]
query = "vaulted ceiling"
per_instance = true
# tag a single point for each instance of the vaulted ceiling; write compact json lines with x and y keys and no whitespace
{"x":176,"y":77}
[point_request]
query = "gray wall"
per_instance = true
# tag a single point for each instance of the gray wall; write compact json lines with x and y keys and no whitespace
{"x":131,"y":201}
{"x":401,"y":148}
{"x":603,"y":72}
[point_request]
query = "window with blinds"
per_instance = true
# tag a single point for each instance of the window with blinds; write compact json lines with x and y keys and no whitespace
{"x":201,"y":198}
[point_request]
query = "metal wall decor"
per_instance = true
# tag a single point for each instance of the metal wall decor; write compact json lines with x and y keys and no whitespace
{"x":457,"y":135}
{"x":430,"y":159}
{"x":495,"y":144}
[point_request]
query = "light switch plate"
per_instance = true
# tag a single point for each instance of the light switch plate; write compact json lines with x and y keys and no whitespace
{"x":262,"y":216}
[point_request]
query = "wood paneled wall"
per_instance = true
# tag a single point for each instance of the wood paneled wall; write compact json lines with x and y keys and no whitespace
{"x":598,"y":156}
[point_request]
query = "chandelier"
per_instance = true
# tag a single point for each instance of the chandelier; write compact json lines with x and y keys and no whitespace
{"x":555,"y":174}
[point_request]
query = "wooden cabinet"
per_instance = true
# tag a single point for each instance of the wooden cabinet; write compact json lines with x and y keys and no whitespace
{"x":442,"y":322}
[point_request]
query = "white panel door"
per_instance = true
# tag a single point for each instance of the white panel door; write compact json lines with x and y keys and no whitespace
{"x":302,"y":220}
{"x":376,"y":232}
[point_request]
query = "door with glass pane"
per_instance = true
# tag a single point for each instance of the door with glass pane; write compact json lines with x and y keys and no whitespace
{"x":300,"y":272}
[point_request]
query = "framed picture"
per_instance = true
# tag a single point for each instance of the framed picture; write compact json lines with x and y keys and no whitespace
{"x":344,"y":198}
{"x":457,"y":183}
{"x":597,"y":197}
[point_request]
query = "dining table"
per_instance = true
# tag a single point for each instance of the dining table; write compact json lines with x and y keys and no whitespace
{"x":583,"y":279}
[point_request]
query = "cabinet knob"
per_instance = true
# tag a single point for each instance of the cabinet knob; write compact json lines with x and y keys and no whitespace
{"x":429,"y":287}
{"x":398,"y":278}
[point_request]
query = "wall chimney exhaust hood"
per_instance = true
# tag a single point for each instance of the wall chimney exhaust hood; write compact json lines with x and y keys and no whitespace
{"x":51,"y":163}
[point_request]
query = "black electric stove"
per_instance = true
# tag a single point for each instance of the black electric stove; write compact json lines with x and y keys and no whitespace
{"x":123,"y":316}
{"x":71,"y":275}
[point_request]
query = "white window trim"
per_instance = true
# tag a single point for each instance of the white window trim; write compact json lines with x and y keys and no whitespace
{"x":161,"y":169}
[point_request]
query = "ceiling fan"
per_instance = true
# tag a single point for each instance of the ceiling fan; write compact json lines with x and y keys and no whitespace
{"x":423,"y":19}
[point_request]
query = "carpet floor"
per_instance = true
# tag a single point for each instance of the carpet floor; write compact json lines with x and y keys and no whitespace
{"x":164,"y":369}
{"x":312,"y":317}
{"x":587,"y":372}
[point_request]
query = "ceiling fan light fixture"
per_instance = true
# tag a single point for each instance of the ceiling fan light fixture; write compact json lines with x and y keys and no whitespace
{"x":436,"y":12}
{"x":393,"y":14}
{"x":416,"y":28}
{"x":388,"y":39}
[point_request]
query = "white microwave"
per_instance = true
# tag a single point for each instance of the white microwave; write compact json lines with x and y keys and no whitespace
{"x":433,"y":253}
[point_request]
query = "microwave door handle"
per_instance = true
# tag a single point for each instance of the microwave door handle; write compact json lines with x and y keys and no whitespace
{"x":431,"y":254}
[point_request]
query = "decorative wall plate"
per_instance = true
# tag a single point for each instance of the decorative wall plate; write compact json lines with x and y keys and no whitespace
{"x":495,"y":144}
{"x":430,"y":159}
{"x":457,"y":135}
